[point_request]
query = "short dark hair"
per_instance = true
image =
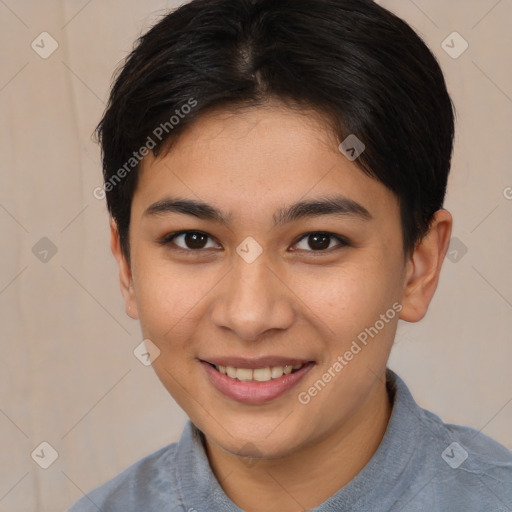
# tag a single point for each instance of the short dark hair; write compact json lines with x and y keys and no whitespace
{"x":358,"y":65}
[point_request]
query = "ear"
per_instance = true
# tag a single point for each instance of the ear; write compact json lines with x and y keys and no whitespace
{"x":125,"y":273}
{"x":424,"y":267}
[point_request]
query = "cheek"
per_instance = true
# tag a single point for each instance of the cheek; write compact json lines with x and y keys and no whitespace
{"x":351,"y":296}
{"x":168,"y":302}
{"x":171,"y":300}
{"x":162,"y":296}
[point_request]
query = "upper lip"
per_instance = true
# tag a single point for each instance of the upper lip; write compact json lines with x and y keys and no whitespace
{"x":257,"y":362}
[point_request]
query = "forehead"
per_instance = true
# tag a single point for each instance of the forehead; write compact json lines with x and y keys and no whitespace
{"x":258,"y":159}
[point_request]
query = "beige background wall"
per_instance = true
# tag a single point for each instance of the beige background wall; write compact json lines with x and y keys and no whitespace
{"x":67,"y":372}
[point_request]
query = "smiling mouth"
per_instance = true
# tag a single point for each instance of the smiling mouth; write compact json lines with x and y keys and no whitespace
{"x":264,"y":374}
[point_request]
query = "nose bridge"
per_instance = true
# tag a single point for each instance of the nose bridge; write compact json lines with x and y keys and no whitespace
{"x":253,"y":300}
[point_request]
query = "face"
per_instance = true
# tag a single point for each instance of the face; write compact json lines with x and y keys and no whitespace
{"x":248,"y":281}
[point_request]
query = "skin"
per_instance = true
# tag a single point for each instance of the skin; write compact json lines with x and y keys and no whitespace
{"x":291,"y":301}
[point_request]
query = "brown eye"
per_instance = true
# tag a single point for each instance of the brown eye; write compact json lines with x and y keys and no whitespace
{"x":320,"y":241}
{"x":188,"y":240}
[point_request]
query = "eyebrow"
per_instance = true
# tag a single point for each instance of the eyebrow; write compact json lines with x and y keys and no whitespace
{"x":336,"y":205}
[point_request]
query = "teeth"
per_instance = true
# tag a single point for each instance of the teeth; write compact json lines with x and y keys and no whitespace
{"x":244,"y":374}
{"x":259,"y":374}
{"x":276,"y":372}
{"x":262,"y":374}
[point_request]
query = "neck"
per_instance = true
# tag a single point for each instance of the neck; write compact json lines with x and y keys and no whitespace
{"x":310,"y":476}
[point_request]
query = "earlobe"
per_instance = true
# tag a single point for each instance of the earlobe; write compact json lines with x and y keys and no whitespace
{"x":424,"y":268}
{"x":125,"y":273}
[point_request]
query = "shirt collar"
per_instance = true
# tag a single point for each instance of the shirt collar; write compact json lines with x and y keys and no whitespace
{"x":381,"y":477}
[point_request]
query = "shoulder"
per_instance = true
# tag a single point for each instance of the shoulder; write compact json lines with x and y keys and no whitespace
{"x":148,"y":485}
{"x":468,"y":468}
{"x":442,"y":466}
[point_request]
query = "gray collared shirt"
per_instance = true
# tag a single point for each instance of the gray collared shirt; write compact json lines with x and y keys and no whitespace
{"x":422,"y":464}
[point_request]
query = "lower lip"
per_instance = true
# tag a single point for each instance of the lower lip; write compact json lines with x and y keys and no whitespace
{"x":252,"y":392}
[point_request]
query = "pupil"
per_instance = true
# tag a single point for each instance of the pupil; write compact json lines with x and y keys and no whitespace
{"x":320,"y":245}
{"x":191,"y":240}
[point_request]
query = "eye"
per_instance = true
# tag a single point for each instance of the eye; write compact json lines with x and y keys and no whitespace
{"x":191,"y":240}
{"x":320,"y":241}
{"x":195,"y":241}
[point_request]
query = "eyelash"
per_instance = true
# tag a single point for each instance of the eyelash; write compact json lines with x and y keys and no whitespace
{"x":167,"y":240}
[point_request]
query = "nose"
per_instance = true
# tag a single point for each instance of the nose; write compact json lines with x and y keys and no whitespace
{"x":253,"y":300}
